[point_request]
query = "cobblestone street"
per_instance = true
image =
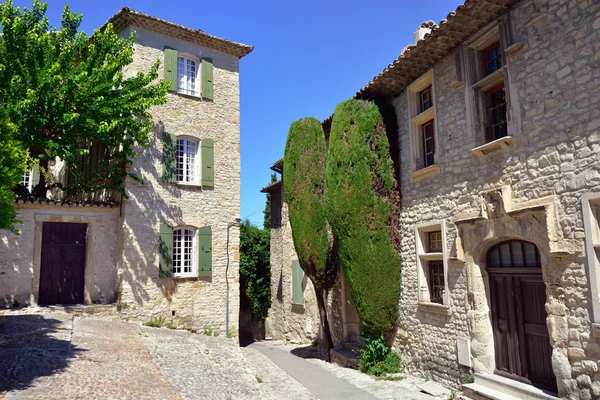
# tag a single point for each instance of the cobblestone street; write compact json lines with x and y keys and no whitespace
{"x":56,"y":355}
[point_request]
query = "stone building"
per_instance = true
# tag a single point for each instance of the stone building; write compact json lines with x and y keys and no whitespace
{"x":171,"y":248}
{"x":499,"y":134}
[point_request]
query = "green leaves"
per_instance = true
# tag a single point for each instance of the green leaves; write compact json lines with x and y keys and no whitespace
{"x":65,"y":91}
{"x":12,"y":167}
{"x":255,"y":268}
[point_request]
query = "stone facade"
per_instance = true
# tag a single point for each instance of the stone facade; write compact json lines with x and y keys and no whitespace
{"x":122,"y":253}
{"x":535,"y":185}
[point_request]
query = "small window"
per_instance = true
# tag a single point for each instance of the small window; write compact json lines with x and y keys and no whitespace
{"x":514,"y":254}
{"x":428,"y":144}
{"x":28,"y":180}
{"x":436,"y":281}
{"x":496,"y":102}
{"x":425,"y":99}
{"x":187,"y":151}
{"x":435,"y":242}
{"x":187,"y":76}
{"x":492,"y":58}
{"x":184,"y":259}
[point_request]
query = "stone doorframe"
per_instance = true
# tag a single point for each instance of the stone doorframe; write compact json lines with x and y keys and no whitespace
{"x":94,"y":220}
{"x":476,"y":235}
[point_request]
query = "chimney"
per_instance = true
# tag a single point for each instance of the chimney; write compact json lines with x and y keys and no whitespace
{"x":423,"y":29}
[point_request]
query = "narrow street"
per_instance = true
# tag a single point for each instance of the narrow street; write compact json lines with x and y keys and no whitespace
{"x":55,"y":355}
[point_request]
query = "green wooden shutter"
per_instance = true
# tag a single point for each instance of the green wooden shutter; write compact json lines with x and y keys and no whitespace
{"x":165,"y":252}
{"x":169,"y":161}
{"x":207,"y":78}
{"x":171,"y":68}
{"x":208,"y":162}
{"x":35,"y":176}
{"x":205,"y":251}
{"x":297,"y":278}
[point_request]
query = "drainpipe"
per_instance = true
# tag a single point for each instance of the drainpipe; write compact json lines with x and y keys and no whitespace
{"x":236,"y":222}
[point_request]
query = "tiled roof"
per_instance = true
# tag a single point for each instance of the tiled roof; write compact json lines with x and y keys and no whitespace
{"x":66,"y":203}
{"x":271,"y":187}
{"x":128,"y":16}
{"x":278,"y":165}
{"x":417,"y":59}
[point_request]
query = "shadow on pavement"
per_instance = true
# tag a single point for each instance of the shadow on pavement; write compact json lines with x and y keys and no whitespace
{"x":31,"y":347}
{"x":311,"y":352}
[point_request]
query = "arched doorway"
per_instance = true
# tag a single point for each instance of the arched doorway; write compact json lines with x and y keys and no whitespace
{"x":518,"y":295}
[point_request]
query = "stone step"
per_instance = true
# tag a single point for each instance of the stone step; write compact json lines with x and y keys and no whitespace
{"x":512,"y":387}
{"x":354,"y":346}
{"x":344,"y":357}
{"x":476,"y":391}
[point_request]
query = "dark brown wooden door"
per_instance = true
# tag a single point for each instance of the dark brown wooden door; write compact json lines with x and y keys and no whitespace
{"x":518,"y":297}
{"x":63,"y":263}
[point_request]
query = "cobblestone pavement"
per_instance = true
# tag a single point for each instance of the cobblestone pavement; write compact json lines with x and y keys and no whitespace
{"x":59,"y":356}
{"x":205,"y":367}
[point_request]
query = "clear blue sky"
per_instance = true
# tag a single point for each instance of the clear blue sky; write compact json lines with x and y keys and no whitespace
{"x":309,"y":56}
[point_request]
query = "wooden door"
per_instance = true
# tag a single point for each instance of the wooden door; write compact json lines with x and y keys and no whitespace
{"x":63,"y":263}
{"x":518,"y":297}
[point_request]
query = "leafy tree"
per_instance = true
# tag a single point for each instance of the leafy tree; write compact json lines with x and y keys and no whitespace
{"x":304,"y":183}
{"x":65,"y":91}
{"x":12,"y":167}
{"x":255,"y":268}
{"x":362,"y":202}
{"x":267,"y":210}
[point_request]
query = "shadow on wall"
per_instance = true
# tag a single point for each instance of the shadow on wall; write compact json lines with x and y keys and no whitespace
{"x":145,"y":209}
{"x":32,"y":347}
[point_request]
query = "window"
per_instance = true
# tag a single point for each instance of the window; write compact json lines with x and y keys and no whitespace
{"x":428,"y":144}
{"x":187,"y":151}
{"x":28,"y":180}
{"x":591,"y":221}
{"x":496,"y":105}
{"x":432,"y":268}
{"x":492,"y":58}
{"x":184,"y":250}
{"x":421,"y":106}
{"x":425,"y":99}
{"x":187,"y":76}
{"x":514,"y":254}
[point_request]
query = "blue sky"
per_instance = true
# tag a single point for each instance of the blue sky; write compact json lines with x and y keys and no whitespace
{"x":309,"y":56}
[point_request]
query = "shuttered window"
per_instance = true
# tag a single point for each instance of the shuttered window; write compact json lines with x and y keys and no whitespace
{"x":207,"y":78}
{"x":297,"y":280}
{"x":186,"y":161}
{"x":187,"y":74}
{"x":205,"y":251}
{"x":185,"y":251}
{"x":184,"y":260}
{"x":208,"y":161}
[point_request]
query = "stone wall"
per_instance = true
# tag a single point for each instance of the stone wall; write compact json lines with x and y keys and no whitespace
{"x":20,"y":256}
{"x":552,"y":162}
{"x":198,"y":303}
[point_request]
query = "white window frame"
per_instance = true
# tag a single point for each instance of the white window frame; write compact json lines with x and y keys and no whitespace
{"x":195,"y":90}
{"x":417,"y":120}
{"x":194,"y":264}
{"x":29,"y":176}
{"x":591,"y":220}
{"x":196,"y":167}
{"x":422,"y":257}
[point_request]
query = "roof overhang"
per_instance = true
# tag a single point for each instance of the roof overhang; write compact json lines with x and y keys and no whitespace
{"x":275,"y":186}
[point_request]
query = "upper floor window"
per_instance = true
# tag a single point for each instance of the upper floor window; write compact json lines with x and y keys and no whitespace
{"x":187,"y":76}
{"x":492,"y":58}
{"x":428,"y":144}
{"x":435,"y":242}
{"x":425,"y":99}
{"x":497,"y":118}
{"x":28,"y":180}
{"x":187,"y":154}
{"x":184,"y":250}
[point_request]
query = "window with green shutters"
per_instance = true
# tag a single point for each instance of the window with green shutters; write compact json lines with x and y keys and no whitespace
{"x":207,"y":78}
{"x":185,"y":251}
{"x":171,"y":68}
{"x":169,"y":158}
{"x":165,"y":251}
{"x":181,"y":72}
{"x":205,"y":251}
{"x":297,"y":280}
{"x":208,"y":162}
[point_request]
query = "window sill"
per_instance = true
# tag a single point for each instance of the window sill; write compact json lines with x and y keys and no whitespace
{"x":425,"y":116}
{"x":513,"y":48}
{"x":188,"y":96}
{"x":491,"y":80}
{"x":434,"y":308}
{"x":426,"y":172}
{"x":431,"y":256}
{"x":596,"y":330}
{"x":498,"y":144}
{"x":192,"y":185}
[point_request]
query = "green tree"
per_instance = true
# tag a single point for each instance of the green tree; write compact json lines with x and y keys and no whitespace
{"x":362,"y":203}
{"x":65,"y":91}
{"x":267,"y":210}
{"x":255,"y":268}
{"x":12,"y":167}
{"x":304,"y":183}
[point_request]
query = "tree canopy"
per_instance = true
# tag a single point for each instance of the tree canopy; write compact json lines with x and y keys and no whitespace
{"x":255,"y":268}
{"x":12,"y":167}
{"x":65,"y":91}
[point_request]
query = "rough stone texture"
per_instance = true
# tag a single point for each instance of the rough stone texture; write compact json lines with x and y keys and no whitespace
{"x":20,"y":255}
{"x":552,"y":162}
{"x":197,"y":303}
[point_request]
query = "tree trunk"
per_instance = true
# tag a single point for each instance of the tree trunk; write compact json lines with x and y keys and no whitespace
{"x":39,"y":191}
{"x":327,"y":342}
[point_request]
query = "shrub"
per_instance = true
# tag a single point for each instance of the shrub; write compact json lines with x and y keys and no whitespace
{"x":156,"y":322}
{"x":362,"y":203}
{"x":378,"y":359}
